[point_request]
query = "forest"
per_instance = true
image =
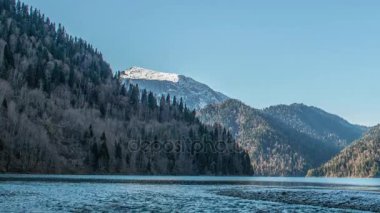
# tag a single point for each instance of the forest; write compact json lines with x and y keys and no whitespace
{"x":63,"y":110}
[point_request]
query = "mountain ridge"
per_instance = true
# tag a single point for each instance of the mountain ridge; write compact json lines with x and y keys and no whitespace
{"x":275,"y":149}
{"x":317,"y":123}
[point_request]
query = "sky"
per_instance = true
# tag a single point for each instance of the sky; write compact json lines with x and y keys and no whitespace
{"x":324,"y":53}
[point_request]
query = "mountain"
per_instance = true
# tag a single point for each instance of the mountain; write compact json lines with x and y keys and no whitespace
{"x":275,"y":148}
{"x":317,"y":124}
{"x":297,"y":136}
{"x":361,"y":159}
{"x":196,"y":95}
{"x":63,"y":111}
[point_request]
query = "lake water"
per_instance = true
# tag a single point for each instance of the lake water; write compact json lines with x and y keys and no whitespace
{"x":82,"y":193}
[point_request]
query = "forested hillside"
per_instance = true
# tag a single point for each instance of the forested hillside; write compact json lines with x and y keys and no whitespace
{"x":63,"y":111}
{"x":361,"y":159}
{"x":317,"y":123}
{"x":275,"y":149}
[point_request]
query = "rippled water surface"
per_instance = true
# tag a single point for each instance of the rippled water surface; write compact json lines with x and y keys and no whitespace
{"x":48,"y":193}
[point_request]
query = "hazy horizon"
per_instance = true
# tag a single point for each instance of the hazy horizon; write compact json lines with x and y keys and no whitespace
{"x":321,"y":53}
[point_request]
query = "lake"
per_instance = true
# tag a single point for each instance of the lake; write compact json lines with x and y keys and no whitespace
{"x":85,"y":193}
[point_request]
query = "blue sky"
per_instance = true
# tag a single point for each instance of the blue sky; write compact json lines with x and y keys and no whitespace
{"x":324,"y":53}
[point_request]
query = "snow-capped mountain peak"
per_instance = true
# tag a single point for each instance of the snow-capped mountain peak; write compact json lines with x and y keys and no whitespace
{"x":195,"y":95}
{"x":139,"y":73}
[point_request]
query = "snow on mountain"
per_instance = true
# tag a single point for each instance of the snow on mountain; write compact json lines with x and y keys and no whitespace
{"x":146,"y":74}
{"x":195,"y":94}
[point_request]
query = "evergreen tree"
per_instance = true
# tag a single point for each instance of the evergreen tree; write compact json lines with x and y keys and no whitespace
{"x":103,"y":153}
{"x":163,"y":110}
{"x":152,"y":102}
{"x":123,"y":90}
{"x":134,"y":97}
{"x":180,"y":107}
{"x":8,"y":58}
{"x":5,"y":104}
{"x":118,"y":151}
{"x":103,"y":110}
{"x":144,"y":98}
{"x":31,"y":78}
{"x":103,"y":137}
{"x":1,"y":145}
{"x":95,"y":154}
{"x":71,"y":80}
{"x":168,"y":100}
{"x":91,"y":133}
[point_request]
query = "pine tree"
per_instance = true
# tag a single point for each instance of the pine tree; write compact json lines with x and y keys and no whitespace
{"x":95,"y":154}
{"x":8,"y":60}
{"x":168,"y":100}
{"x":144,"y":98}
{"x":5,"y":104}
{"x":103,"y":153}
{"x":1,"y":145}
{"x":31,"y":77}
{"x":152,"y":102}
{"x":134,"y":96}
{"x":123,"y":90}
{"x":91,"y":133}
{"x":71,"y":80}
{"x":118,"y":151}
{"x":103,"y":137}
{"x":162,"y":115}
{"x":180,"y":107}
{"x":103,"y":110}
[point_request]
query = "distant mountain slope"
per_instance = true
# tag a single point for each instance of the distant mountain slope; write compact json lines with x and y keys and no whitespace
{"x":275,"y":149}
{"x":317,"y":123}
{"x":361,"y":159}
{"x":195,"y":94}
